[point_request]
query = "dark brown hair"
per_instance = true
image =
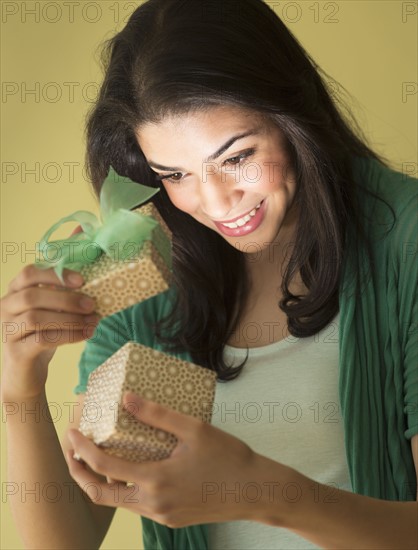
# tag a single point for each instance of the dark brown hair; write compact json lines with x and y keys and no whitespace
{"x":176,"y":56}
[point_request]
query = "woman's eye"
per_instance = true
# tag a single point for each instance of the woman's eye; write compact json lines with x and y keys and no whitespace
{"x":239,"y":158}
{"x":170,"y":178}
{"x":235,"y":161}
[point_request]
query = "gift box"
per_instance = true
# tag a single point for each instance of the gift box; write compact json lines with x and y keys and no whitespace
{"x":125,"y":257}
{"x":117,"y":283}
{"x":154,"y":375}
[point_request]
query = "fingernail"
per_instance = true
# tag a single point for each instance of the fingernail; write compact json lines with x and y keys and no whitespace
{"x":131,"y":396}
{"x":75,"y":279}
{"x":131,"y":399}
{"x":92,"y":318}
{"x":87,"y":303}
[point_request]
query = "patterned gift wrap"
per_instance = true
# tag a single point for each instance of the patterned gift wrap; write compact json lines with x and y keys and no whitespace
{"x":165,"y":379}
{"x":117,"y":284}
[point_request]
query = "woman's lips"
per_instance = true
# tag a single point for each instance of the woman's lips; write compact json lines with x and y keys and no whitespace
{"x":249,"y":227}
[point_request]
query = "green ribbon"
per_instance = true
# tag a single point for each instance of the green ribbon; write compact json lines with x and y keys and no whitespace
{"x":116,"y":234}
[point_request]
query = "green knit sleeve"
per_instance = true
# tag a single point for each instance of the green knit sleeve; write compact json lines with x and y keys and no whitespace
{"x":111,"y":334}
{"x":408,"y":273}
{"x":411,"y":376}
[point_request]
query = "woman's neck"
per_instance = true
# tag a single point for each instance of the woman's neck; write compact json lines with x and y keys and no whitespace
{"x":266,"y":270}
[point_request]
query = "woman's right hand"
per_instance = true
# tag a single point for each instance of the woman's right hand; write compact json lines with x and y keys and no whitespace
{"x":39,"y":314}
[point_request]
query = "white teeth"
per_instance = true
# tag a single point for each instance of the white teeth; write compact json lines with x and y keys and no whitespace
{"x":244,"y":220}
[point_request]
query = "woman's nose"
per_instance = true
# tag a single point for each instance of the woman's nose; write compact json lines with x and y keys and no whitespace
{"x":218,"y":196}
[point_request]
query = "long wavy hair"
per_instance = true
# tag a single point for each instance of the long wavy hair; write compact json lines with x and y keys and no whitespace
{"x":174,"y":57}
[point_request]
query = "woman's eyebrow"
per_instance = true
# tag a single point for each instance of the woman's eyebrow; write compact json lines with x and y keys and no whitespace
{"x":215,"y":155}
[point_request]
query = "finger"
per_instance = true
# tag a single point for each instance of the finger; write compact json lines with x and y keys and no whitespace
{"x":111,"y":480}
{"x":46,"y":298}
{"x":46,"y":339}
{"x":98,"y":491}
{"x":78,"y":229}
{"x":159,"y":416}
{"x":39,"y":320}
{"x":99,"y":461}
{"x":31,"y":275}
{"x":77,"y":457}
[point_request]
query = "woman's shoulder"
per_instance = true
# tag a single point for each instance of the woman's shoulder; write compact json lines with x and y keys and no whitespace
{"x":388,"y":201}
{"x":398,"y":189}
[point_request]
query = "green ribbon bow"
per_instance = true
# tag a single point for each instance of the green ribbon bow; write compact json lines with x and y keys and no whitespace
{"x":114,"y":235}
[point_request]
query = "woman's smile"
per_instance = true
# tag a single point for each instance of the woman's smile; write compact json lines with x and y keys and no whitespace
{"x":245,"y":224}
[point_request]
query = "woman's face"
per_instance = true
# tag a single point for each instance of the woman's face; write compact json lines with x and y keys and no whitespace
{"x":228,"y":168}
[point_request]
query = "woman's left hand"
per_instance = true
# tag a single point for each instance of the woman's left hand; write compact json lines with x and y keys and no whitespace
{"x":198,"y":483}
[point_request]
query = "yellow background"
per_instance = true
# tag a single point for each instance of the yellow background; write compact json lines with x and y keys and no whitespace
{"x":368,"y":46}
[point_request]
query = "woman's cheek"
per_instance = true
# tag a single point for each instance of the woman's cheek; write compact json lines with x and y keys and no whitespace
{"x":179,"y":199}
{"x":253,"y":173}
{"x":278,"y":176}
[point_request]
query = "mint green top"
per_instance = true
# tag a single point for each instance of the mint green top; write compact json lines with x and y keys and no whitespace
{"x":378,"y":350}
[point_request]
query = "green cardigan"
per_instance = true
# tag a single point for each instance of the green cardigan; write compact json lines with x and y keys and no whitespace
{"x":378,"y":344}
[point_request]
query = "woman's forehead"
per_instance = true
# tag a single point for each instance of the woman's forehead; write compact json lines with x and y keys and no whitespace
{"x":207,"y":116}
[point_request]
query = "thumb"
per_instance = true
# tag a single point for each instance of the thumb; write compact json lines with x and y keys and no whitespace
{"x":158,"y":416}
{"x":78,"y":229}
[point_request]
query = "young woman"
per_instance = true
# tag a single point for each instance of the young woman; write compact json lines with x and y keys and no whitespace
{"x":294,"y":251}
